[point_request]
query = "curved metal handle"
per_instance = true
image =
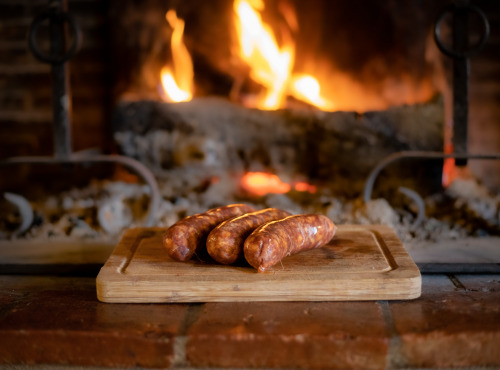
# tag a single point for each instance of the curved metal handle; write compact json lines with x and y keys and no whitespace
{"x":55,"y":16}
{"x":454,"y":8}
{"x":370,"y":181}
{"x":138,"y":167}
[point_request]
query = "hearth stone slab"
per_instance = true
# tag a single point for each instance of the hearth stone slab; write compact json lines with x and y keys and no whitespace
{"x":465,"y":255}
{"x":58,"y":321}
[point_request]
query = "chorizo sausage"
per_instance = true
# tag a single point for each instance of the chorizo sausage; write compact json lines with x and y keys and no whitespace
{"x":225,"y":242}
{"x":189,"y":235}
{"x":275,"y":240}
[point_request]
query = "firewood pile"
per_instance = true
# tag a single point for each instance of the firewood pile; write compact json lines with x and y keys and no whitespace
{"x":335,"y":148}
{"x":200,"y":150}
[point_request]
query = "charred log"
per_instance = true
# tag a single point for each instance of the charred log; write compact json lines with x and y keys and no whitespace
{"x":338,"y":149}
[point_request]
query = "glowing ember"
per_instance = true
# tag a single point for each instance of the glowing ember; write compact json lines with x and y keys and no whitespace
{"x":262,"y":183}
{"x":449,"y":168}
{"x":304,"y":186}
{"x":177,"y":82}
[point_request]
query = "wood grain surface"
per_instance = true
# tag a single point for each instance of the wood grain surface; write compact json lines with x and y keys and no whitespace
{"x":360,"y":263}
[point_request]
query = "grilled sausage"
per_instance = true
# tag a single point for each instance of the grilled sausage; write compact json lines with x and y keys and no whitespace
{"x":275,"y":240}
{"x":189,"y":235}
{"x":225,"y":242}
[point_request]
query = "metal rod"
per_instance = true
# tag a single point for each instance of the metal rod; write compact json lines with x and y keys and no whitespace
{"x":370,"y":182}
{"x":59,"y":20}
{"x":131,"y":163}
{"x":61,"y":99}
{"x":417,"y":199}
{"x":461,"y":51}
{"x":460,"y":85}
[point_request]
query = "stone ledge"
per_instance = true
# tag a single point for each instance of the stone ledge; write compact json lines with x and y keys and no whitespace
{"x":294,"y":334}
{"x":58,"y":321}
{"x":456,"y":323}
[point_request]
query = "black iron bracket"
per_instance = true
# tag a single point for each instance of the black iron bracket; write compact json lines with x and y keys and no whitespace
{"x":59,"y":18}
{"x":460,"y":52}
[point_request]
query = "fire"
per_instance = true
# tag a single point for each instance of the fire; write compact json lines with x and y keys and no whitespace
{"x":177,"y":81}
{"x":449,"y":168}
{"x":271,"y":65}
{"x":270,"y":55}
{"x":304,"y":186}
{"x":306,"y":88}
{"x":262,"y":183}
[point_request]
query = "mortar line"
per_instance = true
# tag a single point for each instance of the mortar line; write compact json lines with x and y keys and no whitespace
{"x":180,"y":340}
{"x":457,"y":283}
{"x":394,"y":358}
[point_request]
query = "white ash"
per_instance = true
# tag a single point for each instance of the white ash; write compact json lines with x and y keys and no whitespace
{"x":284,"y":202}
{"x":104,"y":209}
{"x":114,"y":215}
{"x":475,"y":198}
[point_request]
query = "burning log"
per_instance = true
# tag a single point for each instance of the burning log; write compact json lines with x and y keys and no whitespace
{"x":337,"y":149}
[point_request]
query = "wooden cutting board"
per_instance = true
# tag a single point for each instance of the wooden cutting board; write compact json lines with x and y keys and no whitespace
{"x":360,"y":263}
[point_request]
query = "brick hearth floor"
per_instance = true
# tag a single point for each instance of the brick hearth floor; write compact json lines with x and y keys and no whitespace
{"x":59,"y":321}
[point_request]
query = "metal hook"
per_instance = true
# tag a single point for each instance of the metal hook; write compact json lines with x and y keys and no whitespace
{"x":370,"y":182}
{"x":55,"y":16}
{"x":462,"y":8}
{"x":25,"y":211}
{"x":131,"y":163}
{"x":461,"y":67}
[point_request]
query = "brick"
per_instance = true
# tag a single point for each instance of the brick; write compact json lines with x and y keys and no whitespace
{"x":450,"y":325}
{"x":20,"y":70}
{"x":12,"y":100}
{"x":11,"y":11}
{"x":480,"y":283}
{"x":289,"y":334}
{"x":60,"y":321}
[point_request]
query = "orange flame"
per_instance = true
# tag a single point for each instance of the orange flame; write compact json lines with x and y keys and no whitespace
{"x":304,"y":186}
{"x":262,"y":183}
{"x":177,"y":82}
{"x":306,"y":88}
{"x":271,"y":65}
{"x":449,"y":168}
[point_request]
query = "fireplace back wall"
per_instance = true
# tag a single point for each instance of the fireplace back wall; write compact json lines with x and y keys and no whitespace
{"x":104,"y":68}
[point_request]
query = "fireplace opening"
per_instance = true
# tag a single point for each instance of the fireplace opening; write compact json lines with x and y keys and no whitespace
{"x":302,"y":63}
{"x":259,"y":54}
{"x":277,"y":103}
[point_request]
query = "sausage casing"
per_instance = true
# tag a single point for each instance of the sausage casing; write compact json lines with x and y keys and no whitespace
{"x":275,"y":240}
{"x":225,"y":242}
{"x":188,"y":236}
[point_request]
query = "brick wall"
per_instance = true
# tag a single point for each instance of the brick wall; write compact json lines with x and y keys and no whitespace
{"x":484,"y":122}
{"x":25,"y":84}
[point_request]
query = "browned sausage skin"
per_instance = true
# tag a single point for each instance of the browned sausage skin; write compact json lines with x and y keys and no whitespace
{"x":188,"y":236}
{"x":275,"y":240}
{"x":225,"y":242}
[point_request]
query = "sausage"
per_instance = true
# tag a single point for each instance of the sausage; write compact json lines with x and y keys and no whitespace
{"x":275,"y":240}
{"x":225,"y":242}
{"x":188,"y":236}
